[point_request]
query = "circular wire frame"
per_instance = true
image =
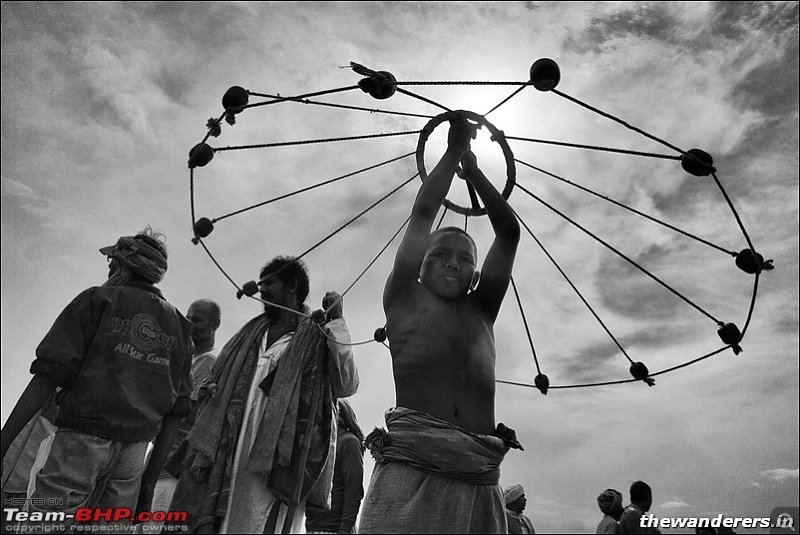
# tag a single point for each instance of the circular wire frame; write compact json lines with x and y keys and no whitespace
{"x":476,"y":210}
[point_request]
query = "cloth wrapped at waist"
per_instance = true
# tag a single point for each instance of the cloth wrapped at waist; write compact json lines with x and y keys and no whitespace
{"x":438,"y":447}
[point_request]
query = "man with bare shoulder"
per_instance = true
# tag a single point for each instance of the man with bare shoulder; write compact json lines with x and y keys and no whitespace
{"x":437,"y":464}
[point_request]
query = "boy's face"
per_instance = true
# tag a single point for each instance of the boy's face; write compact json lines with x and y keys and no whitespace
{"x":448,"y":268}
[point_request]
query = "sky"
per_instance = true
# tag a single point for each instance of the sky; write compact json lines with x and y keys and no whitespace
{"x":101,"y":103}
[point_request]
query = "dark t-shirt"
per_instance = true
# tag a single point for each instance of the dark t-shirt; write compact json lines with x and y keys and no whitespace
{"x":347,"y":491}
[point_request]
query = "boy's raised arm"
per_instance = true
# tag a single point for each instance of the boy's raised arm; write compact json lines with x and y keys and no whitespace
{"x":496,"y":272}
{"x":429,"y":199}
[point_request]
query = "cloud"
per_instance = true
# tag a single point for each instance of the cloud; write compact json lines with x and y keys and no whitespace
{"x":23,"y":207}
{"x":675,"y":504}
{"x":781,"y":474}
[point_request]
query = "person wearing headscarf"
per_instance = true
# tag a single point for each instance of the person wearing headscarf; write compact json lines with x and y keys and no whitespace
{"x":120,"y":354}
{"x":515,"y":503}
{"x":348,"y":479}
{"x":610,"y":504}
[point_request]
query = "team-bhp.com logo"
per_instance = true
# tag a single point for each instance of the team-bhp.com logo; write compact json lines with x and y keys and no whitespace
{"x":86,"y":514}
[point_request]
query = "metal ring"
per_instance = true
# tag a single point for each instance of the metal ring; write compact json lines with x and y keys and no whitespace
{"x":497,"y":136}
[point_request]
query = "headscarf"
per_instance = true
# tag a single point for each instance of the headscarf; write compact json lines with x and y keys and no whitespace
{"x":609,"y":500}
{"x":347,"y":419}
{"x":143,"y":254}
{"x":513,"y":493}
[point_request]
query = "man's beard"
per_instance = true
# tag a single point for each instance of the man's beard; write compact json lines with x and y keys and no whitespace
{"x":201,"y":339}
{"x":271,"y":312}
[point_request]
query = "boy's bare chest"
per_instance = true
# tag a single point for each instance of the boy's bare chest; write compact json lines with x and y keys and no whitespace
{"x":454,"y":329}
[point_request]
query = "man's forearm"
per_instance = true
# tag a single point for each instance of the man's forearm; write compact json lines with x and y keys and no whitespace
{"x":161,"y":448}
{"x":341,"y":365}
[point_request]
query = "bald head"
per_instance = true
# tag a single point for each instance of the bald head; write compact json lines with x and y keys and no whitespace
{"x":205,"y":316}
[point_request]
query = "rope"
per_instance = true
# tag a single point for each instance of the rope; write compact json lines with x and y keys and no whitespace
{"x":191,"y":197}
{"x":357,"y":108}
{"x":214,"y":260}
{"x":525,"y":322}
{"x":621,"y":205}
{"x":621,"y":381}
{"x":312,"y":141}
{"x":359,"y":278}
{"x":594,"y":147}
{"x":285,"y":99}
{"x":623,"y":123}
{"x":332,"y":234}
{"x":372,"y":262}
{"x":749,"y":244}
{"x":423,"y":99}
{"x":617,"y":252}
{"x":309,"y":188}
{"x":506,"y":99}
{"x":373,"y":205}
{"x":574,"y":288}
{"x":455,"y":82}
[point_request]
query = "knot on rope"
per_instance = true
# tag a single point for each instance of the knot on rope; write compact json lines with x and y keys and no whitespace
{"x":542,"y":382}
{"x":214,"y":128}
{"x":752,"y":262}
{"x":729,"y":333}
{"x":641,"y":373}
{"x":200,"y":155}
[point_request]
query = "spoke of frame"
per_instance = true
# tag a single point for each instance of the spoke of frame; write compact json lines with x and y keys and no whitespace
{"x":618,"y":253}
{"x":423,"y":99}
{"x":509,"y":97}
{"x":359,"y":278}
{"x":595,"y":147}
{"x":620,"y":121}
{"x":574,"y":288}
{"x":309,"y":188}
{"x":626,"y":207}
{"x":348,"y":223}
{"x":312,"y":141}
{"x":525,"y":322}
{"x":290,"y":99}
{"x":357,"y":108}
{"x":377,"y":256}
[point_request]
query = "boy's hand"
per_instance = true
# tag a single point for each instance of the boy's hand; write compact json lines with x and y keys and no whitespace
{"x":469,"y":164}
{"x":462,"y":132}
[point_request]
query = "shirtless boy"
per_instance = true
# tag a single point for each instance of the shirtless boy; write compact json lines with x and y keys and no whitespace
{"x":438,"y":465}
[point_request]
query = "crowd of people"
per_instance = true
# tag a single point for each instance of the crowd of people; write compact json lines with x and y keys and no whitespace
{"x":132,"y":407}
